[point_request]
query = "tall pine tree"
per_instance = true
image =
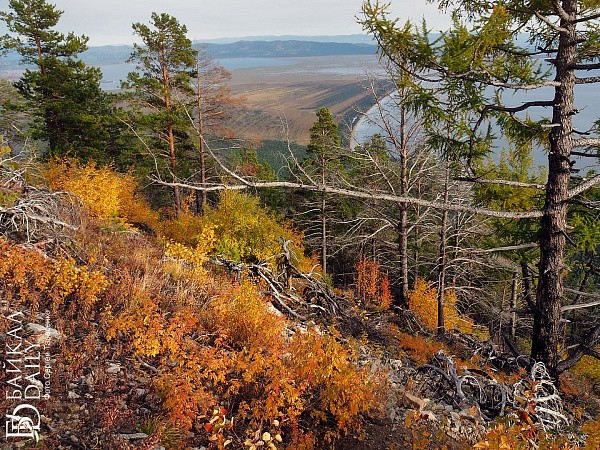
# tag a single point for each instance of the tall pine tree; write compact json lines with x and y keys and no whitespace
{"x":61,"y":91}
{"x":161,"y":92}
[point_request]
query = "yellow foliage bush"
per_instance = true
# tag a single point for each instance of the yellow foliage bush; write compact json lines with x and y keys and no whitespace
{"x":30,"y":279}
{"x":422,"y":299}
{"x":243,"y":231}
{"x":104,"y":193}
{"x":589,"y":367}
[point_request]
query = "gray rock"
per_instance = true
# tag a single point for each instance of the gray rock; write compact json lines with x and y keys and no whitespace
{"x":412,"y":401}
{"x":455,"y":416}
{"x":41,"y":334}
{"x":133,"y":436}
{"x":113,"y":368}
{"x":73,"y":396}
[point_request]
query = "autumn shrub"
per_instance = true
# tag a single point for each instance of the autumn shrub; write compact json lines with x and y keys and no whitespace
{"x":372,"y":287}
{"x":422,"y":299}
{"x":418,"y":348}
{"x":105,"y":193}
{"x":519,"y":432}
{"x":232,"y":350}
{"x":30,"y":279}
{"x":589,"y":367}
{"x":243,"y":230}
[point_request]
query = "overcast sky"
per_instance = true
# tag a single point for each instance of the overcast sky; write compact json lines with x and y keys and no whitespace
{"x":109,"y":21}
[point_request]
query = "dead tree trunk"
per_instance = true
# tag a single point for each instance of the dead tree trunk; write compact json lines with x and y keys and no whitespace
{"x":442,"y":255}
{"x":513,"y":304}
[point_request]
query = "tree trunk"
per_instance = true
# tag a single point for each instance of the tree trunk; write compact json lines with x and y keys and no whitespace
{"x":417,"y":232}
{"x":202,"y":206}
{"x":442,"y":255}
{"x":403,"y":223}
{"x":546,"y":325}
{"x":513,"y":304}
{"x":323,"y":221}
{"x":173,"y":167}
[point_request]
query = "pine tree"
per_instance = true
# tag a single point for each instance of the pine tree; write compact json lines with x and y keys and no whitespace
{"x":62,"y":91}
{"x":323,"y":153}
{"x":161,"y":92}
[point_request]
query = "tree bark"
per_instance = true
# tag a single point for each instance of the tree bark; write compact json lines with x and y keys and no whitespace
{"x":442,"y":255}
{"x":201,"y":206}
{"x":173,"y":167}
{"x":403,"y":223}
{"x":546,"y":325}
{"x":323,"y":220}
{"x":513,"y":304}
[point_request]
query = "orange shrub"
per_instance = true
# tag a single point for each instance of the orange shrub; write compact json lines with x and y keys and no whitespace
{"x":372,"y":287}
{"x":233,"y":350}
{"x":422,"y":299}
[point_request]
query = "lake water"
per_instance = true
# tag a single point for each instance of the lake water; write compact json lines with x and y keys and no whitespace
{"x":113,"y":73}
{"x":587,"y":101}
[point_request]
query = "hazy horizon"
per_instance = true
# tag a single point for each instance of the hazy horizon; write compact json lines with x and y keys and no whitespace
{"x":108,"y":22}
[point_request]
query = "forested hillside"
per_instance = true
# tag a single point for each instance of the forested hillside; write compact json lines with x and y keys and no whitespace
{"x":169,"y":284}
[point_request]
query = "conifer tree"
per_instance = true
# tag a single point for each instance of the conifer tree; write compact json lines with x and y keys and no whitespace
{"x":161,"y":92}
{"x":477,"y":63}
{"x":323,"y":154}
{"x":60,"y":89}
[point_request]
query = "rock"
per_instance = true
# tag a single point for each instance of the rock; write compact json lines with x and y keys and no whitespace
{"x":41,"y":334}
{"x":396,"y":364}
{"x":113,"y":368}
{"x":429,"y":415}
{"x":414,"y":402}
{"x":159,"y":447}
{"x":139,"y":392}
{"x":73,"y":396}
{"x":133,"y":436}
{"x":74,"y":439}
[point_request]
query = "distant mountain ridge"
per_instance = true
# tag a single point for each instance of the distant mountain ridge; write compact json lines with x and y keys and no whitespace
{"x":242,"y":49}
{"x":276,"y":48}
{"x":340,"y":38}
{"x":290,"y":48}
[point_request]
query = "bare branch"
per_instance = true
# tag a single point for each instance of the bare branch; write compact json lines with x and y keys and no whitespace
{"x":549,"y":23}
{"x":592,"y":142}
{"x":503,"y":182}
{"x":587,"y":184}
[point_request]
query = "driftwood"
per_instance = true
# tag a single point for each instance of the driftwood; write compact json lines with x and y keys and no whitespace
{"x":295,"y":293}
{"x":534,"y":393}
{"x":38,"y":214}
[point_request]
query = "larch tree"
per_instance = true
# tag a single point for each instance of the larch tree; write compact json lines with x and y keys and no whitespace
{"x":59,"y":88}
{"x":160,"y":89}
{"x":215,"y":106}
{"x":490,"y":49}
